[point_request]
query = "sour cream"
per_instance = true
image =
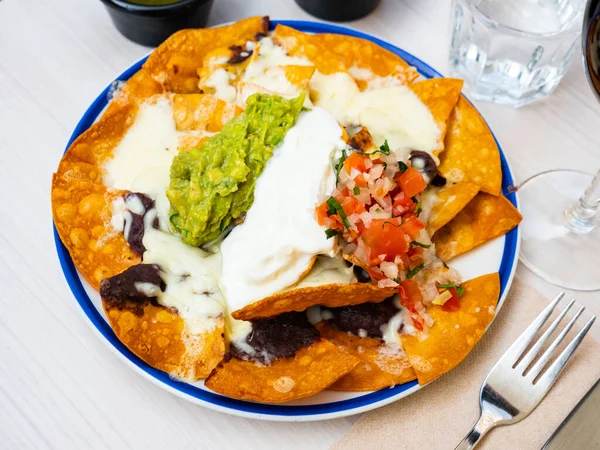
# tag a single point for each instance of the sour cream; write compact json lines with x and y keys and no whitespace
{"x":277,"y":243}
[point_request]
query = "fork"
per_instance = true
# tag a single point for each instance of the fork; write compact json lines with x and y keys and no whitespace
{"x":509,"y":393}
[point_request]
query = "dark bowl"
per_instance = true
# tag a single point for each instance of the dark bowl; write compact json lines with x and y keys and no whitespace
{"x":151,"y":25}
{"x":338,"y":10}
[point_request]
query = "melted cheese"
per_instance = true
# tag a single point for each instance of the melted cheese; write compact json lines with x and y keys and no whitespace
{"x":220,"y":81}
{"x":142,"y":160}
{"x":327,"y":270}
{"x":276,"y":244}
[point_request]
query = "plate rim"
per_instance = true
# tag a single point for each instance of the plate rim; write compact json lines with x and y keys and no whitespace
{"x":243,"y":408}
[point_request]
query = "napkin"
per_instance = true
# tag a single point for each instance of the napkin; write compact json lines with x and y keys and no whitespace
{"x":441,"y":414}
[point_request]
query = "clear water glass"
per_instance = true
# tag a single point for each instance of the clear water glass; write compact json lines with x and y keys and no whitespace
{"x":513,"y":52}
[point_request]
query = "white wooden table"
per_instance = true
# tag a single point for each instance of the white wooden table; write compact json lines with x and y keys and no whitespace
{"x":60,"y":387}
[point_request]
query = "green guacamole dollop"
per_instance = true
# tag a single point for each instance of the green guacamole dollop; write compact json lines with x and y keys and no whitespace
{"x":213,"y":185}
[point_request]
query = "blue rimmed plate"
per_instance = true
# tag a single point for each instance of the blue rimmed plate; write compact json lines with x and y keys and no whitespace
{"x":497,"y":255}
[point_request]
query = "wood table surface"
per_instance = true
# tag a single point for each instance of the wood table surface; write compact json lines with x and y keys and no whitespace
{"x":60,"y":386}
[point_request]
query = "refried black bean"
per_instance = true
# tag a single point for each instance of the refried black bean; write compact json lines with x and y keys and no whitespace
{"x":121,"y":291}
{"x":438,"y":181}
{"x":366,"y":316}
{"x":135,"y":236}
{"x":429,"y":169}
{"x":238,"y":54}
{"x":361,"y":274}
{"x":280,"y":337}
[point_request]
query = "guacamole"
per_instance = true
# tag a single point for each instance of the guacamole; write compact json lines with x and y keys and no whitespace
{"x":214,"y":184}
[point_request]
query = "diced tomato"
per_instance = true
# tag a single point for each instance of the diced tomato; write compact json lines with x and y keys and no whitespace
{"x":351,"y":205}
{"x":322,"y":213}
{"x":411,"y":182}
{"x":452,"y":304}
{"x":355,"y":161}
{"x":415,"y":252}
{"x":412,"y":226}
{"x":360,"y":181}
{"x":385,"y":236}
{"x":410,"y":294}
{"x":401,"y":204}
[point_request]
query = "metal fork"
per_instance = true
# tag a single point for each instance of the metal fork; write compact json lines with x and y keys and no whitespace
{"x":510,"y":392}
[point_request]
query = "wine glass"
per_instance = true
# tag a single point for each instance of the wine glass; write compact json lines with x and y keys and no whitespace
{"x":561,"y":235}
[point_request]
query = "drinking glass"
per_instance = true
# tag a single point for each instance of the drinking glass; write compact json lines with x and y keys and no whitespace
{"x":513,"y":52}
{"x":561,"y":236}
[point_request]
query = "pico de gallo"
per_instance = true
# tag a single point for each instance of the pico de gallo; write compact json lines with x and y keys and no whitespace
{"x":374,"y":211}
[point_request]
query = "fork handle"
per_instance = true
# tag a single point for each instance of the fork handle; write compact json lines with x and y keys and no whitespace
{"x":486,"y":422}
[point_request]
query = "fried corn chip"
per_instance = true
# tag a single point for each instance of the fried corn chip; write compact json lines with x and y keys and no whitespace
{"x":202,"y":112}
{"x":140,"y":87}
{"x":471,"y":154}
{"x":449,"y":201}
{"x":379,"y":366}
{"x":440,"y":96}
{"x":454,"y":334}
{"x":176,"y":61}
{"x":308,"y":372}
{"x":301,"y":44}
{"x":367,"y":62}
{"x":484,"y":218}
{"x":82,"y":215}
{"x":298,"y":75}
{"x":160,"y":338}
{"x":97,"y":143}
{"x":330,"y":295}
{"x":78,"y":170}
{"x":363,"y":141}
{"x":188,"y":142}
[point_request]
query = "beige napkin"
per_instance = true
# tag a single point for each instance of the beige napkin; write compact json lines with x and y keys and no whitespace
{"x":441,"y":414}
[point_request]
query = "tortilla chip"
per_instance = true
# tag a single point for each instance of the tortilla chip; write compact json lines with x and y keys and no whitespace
{"x":160,"y":338}
{"x":202,"y":112}
{"x":471,"y":154}
{"x":78,"y":170}
{"x":175,"y":62}
{"x":361,"y":56}
{"x":82,"y":214}
{"x":449,"y":201}
{"x":454,"y":334}
{"x":380,"y":367}
{"x":138,"y":88}
{"x":439,"y":95}
{"x":363,"y":141}
{"x":329,"y":295}
{"x":301,"y":44}
{"x":188,"y":142}
{"x":308,"y":372}
{"x":299,"y":76}
{"x":483,"y":219}
{"x":96,"y":144}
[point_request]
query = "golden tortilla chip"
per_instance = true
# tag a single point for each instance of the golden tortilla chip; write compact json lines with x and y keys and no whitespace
{"x":449,"y":201}
{"x":79,"y":170}
{"x":483,"y":219}
{"x":471,"y":154}
{"x":363,"y":141}
{"x":176,"y":61}
{"x":82,"y":215}
{"x":96,"y":144}
{"x":188,"y":142}
{"x":301,"y":44}
{"x":308,"y":372}
{"x":298,"y":75}
{"x":439,"y":95}
{"x":380,"y":367}
{"x":329,"y":295}
{"x":454,"y":334}
{"x":160,"y":338}
{"x":366,"y":60}
{"x":138,"y":88}
{"x":202,"y":112}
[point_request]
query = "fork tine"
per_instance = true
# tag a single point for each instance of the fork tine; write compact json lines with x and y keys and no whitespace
{"x":515,"y":351}
{"x":532,"y":353}
{"x":550,"y":376}
{"x":539,"y":365}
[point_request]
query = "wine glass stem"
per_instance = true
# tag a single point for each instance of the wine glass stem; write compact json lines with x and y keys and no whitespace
{"x":581,"y":216}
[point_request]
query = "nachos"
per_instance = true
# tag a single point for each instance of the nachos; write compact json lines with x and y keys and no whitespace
{"x":277,"y":213}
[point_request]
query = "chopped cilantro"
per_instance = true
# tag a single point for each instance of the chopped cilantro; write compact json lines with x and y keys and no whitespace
{"x":418,"y":244}
{"x":459,"y":289}
{"x":333,"y":204}
{"x":385,"y":148}
{"x":414,"y":271}
{"x":339,"y":164}
{"x":356,"y":190}
{"x":418,"y":208}
{"x":330,"y":233}
{"x":403,"y":167}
